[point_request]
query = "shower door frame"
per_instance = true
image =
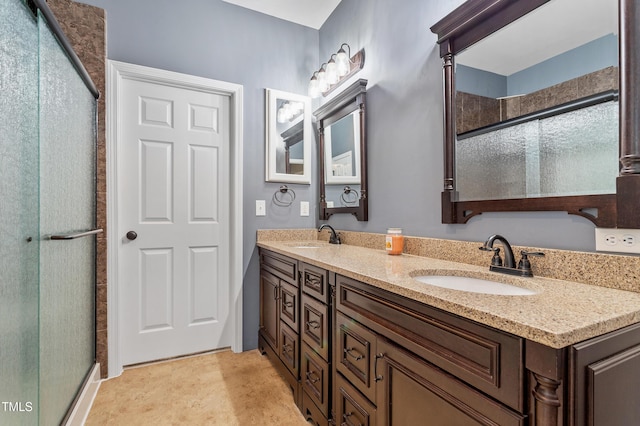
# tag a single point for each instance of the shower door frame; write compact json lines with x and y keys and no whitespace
{"x":116,"y":71}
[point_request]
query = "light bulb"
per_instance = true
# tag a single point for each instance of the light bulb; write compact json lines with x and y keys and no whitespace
{"x":314,"y":87}
{"x":332,"y":72}
{"x":323,"y":84}
{"x":342,"y":63}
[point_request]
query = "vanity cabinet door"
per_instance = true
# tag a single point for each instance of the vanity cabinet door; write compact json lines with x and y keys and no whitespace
{"x":411,"y":391}
{"x":315,"y":325}
{"x":355,"y":355}
{"x":269,"y":296}
{"x":606,"y":370}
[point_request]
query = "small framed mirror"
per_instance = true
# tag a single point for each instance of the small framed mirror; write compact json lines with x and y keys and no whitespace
{"x":343,"y":153}
{"x":288,"y":137}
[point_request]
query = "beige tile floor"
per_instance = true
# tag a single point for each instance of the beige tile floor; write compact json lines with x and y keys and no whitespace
{"x":214,"y":389}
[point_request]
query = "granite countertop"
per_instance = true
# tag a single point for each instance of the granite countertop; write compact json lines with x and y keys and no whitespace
{"x":560,"y":313}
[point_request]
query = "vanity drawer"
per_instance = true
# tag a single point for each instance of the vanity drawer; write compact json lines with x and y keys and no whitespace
{"x":351,"y":407}
{"x":315,"y":325}
{"x":279,"y":265}
{"x":315,"y":282}
{"x":314,"y":375}
{"x":487,"y":359}
{"x":354,"y":354}
{"x":289,"y":305}
{"x":312,"y":413}
{"x":289,"y":348}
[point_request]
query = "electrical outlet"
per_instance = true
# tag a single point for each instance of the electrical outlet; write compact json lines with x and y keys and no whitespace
{"x":261,"y":208}
{"x":304,"y":208}
{"x":618,"y":240}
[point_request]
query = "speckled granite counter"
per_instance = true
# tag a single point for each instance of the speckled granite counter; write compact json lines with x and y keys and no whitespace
{"x":561,"y":313}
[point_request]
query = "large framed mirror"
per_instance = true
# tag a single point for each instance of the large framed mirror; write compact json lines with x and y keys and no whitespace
{"x":343,"y":153}
{"x":535,"y":93}
{"x":288,"y":137}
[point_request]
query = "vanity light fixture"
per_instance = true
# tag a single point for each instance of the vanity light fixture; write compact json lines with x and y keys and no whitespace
{"x":339,"y":68}
{"x":288,"y":111}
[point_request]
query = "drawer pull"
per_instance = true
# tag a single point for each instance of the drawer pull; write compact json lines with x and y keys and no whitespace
{"x":309,"y":375}
{"x":347,"y":422}
{"x":313,"y":283}
{"x":313,"y":324}
{"x":377,"y":378}
{"x":287,"y":304}
{"x":275,"y":293}
{"x":349,"y":351}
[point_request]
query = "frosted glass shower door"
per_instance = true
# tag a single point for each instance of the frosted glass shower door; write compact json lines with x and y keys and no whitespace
{"x":67,"y":205}
{"x":19,"y":240}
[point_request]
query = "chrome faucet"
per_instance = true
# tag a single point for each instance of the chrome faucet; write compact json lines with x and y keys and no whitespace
{"x":509,"y":266}
{"x":335,"y":237}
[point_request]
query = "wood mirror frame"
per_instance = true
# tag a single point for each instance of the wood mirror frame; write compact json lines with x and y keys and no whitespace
{"x":350,"y":100}
{"x":475,"y":20}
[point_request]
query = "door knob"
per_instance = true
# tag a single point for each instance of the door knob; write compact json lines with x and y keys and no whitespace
{"x":132,"y":235}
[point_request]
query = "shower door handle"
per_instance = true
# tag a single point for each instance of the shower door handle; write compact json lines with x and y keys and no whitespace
{"x":132,"y":235}
{"x":75,"y":235}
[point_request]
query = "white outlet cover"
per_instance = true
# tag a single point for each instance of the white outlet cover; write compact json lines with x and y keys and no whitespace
{"x":304,"y":208}
{"x":618,"y":240}
{"x":261,"y":208}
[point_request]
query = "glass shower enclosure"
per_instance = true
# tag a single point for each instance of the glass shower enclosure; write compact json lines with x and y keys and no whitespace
{"x":47,"y":218}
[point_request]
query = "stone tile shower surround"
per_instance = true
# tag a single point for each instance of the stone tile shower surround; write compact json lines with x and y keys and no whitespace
{"x":606,"y":270}
{"x":474,"y":111}
{"x":85,"y":27}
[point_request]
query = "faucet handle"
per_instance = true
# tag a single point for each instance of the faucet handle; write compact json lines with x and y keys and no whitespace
{"x":496,"y":260}
{"x":524,"y":263}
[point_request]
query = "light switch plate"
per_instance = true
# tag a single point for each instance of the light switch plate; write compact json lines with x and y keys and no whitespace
{"x":304,"y":208}
{"x":329,"y":204}
{"x":261,"y":208}
{"x":618,"y":240}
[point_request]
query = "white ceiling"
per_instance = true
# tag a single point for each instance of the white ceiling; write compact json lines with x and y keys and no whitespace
{"x":310,"y":13}
{"x":550,"y":30}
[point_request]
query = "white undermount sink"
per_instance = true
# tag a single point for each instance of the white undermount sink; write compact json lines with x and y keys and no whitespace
{"x":304,"y":245}
{"x":474,"y":285}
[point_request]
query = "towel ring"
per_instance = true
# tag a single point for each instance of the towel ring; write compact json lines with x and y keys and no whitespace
{"x":286,"y":197}
{"x":349,"y":196}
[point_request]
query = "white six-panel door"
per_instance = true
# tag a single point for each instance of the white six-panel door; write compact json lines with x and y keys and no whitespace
{"x":173,"y":193}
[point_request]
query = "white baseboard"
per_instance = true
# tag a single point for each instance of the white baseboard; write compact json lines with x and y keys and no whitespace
{"x":87,"y":395}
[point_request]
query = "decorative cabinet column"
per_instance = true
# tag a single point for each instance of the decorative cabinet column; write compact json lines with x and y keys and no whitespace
{"x":628,"y":183}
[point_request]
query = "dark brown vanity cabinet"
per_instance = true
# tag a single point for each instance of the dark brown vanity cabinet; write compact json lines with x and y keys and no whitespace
{"x":354,"y":354}
{"x":279,"y":333}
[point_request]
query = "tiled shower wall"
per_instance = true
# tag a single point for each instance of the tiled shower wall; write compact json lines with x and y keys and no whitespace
{"x":474,"y":111}
{"x":85,"y":27}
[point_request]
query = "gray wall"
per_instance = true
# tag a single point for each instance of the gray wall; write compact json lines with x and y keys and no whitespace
{"x":405,"y":116}
{"x":213,"y":39}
